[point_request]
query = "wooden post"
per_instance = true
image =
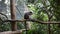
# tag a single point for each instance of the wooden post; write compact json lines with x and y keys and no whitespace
{"x":13,"y":10}
{"x":49,"y":30}
{"x":26,"y":26}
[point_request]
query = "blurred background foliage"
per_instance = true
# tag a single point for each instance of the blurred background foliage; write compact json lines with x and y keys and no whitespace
{"x":43,"y":10}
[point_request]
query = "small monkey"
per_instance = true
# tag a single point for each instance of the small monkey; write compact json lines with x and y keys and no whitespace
{"x":27,"y":14}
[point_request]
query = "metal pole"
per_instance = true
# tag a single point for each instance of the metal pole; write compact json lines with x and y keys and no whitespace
{"x":13,"y":10}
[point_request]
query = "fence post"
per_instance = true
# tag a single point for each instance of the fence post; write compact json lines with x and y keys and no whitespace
{"x":26,"y":26}
{"x":49,"y":30}
{"x":13,"y":11}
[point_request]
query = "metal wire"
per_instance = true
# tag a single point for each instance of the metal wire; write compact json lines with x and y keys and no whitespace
{"x":19,"y":11}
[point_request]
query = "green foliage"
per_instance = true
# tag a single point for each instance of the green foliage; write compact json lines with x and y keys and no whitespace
{"x":20,"y":25}
{"x":41,"y":14}
{"x":5,"y":27}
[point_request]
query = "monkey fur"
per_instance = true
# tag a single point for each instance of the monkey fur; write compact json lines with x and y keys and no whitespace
{"x":27,"y":14}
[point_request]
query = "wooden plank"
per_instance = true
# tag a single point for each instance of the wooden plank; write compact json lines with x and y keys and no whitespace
{"x":13,"y":32}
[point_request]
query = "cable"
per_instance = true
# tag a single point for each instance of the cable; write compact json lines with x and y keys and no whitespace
{"x":19,"y":11}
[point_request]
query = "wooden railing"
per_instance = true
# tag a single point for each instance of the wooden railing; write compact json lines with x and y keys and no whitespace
{"x":23,"y":20}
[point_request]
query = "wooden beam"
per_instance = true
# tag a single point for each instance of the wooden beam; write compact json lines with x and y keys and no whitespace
{"x":34,"y":20}
{"x":13,"y":10}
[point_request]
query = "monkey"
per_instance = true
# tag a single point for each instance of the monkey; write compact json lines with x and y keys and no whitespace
{"x":27,"y":24}
{"x":27,"y":14}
